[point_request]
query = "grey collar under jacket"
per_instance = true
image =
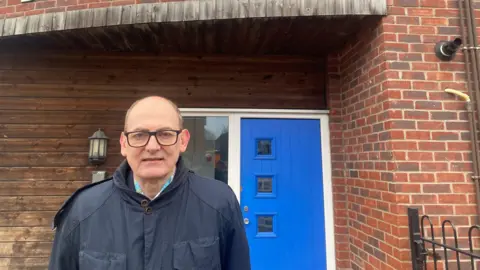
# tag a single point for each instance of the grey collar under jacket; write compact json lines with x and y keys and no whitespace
{"x":195,"y":223}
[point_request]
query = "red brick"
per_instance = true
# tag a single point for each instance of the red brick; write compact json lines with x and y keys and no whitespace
{"x":458,"y":146}
{"x":422,"y":177}
{"x":430,"y":125}
{"x":432,"y":146}
{"x":434,"y":166}
{"x":420,"y":12}
{"x":437,"y":188}
{"x":438,"y":209}
{"x":420,"y":156}
{"x":450,"y":177}
{"x":419,"y":115}
{"x":421,"y":29}
{"x":452,"y":199}
{"x":444,"y":136}
{"x":433,"y":3}
{"x":424,"y":66}
{"x":418,"y":135}
{"x":439,"y":76}
{"x":434,"y":21}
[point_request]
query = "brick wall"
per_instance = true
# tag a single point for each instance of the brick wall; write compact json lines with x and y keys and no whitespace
{"x":405,"y":142}
{"x":338,"y":165}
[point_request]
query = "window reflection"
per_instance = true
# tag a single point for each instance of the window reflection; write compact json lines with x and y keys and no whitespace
{"x":265,"y":224}
{"x":264,"y":147}
{"x":207,"y":151}
{"x":264,"y":185}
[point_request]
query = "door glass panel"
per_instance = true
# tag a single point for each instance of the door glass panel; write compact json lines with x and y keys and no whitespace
{"x":264,"y":147}
{"x":207,"y":151}
{"x":265,"y":224}
{"x":264,"y":185}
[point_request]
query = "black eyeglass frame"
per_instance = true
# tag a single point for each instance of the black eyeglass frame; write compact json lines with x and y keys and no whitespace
{"x":152,"y":133}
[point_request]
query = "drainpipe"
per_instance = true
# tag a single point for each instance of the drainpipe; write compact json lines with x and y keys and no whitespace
{"x":468,"y":29}
{"x":474,"y":142}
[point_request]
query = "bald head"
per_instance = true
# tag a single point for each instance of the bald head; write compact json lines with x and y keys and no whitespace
{"x":153,"y":104}
{"x":153,"y":159}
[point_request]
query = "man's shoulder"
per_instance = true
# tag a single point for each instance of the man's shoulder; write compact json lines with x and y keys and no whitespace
{"x":213,"y":192}
{"x":83,"y":201}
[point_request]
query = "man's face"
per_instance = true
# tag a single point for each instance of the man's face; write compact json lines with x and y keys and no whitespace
{"x":153,"y":161}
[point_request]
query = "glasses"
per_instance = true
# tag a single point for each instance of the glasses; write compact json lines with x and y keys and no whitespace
{"x":163,"y":137}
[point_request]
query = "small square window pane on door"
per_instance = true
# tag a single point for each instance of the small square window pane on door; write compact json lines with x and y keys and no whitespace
{"x":264,"y":147}
{"x":264,"y":184}
{"x":265,"y":224}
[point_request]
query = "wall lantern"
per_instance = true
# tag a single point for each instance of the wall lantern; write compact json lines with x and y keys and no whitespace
{"x":98,"y":148}
{"x":446,"y":50}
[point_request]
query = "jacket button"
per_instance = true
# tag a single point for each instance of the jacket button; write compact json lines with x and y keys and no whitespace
{"x":144,"y":203}
{"x":148,"y":210}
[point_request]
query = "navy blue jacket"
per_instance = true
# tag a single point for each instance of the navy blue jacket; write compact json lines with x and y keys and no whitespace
{"x":195,"y":223}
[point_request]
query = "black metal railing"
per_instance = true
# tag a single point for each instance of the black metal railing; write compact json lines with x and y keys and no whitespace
{"x":419,"y":242}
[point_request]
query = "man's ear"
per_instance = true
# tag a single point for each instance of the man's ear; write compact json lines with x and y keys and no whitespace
{"x":184,"y":138}
{"x":123,"y":144}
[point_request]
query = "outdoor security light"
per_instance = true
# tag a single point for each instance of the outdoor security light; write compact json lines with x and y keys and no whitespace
{"x":446,"y":50}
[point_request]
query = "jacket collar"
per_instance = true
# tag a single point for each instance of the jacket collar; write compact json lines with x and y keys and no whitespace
{"x":123,"y":181}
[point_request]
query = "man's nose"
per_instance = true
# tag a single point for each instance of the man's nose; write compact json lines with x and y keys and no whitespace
{"x":152,"y":143}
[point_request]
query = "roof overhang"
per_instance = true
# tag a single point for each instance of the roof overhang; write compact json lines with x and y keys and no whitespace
{"x":325,"y":19}
{"x":183,"y":11}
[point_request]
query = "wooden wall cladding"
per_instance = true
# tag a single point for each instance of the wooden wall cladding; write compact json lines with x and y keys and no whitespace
{"x":50,"y":104}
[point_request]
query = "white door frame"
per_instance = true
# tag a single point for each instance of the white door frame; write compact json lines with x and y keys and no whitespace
{"x":234,"y":120}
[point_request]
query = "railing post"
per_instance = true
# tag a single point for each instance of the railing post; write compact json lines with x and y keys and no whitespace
{"x":415,"y":239}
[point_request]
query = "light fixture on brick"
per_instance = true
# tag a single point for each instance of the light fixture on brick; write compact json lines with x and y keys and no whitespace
{"x":446,"y":50}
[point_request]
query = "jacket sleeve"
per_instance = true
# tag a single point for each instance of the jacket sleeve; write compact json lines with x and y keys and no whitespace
{"x":237,"y":250}
{"x":63,"y":255}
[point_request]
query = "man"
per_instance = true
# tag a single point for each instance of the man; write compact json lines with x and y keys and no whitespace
{"x":153,"y":213}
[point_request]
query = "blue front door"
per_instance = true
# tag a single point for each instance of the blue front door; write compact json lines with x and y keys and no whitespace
{"x":282,"y":193}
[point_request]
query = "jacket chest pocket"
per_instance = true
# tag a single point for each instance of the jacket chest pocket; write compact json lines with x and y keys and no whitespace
{"x":198,"y":254}
{"x":94,"y":260}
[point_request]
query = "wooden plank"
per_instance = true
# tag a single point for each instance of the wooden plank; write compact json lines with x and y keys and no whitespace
{"x":114,"y":17}
{"x":50,"y":145}
{"x":59,"y":19}
{"x":65,"y":104}
{"x":120,"y":105}
{"x":30,"y":203}
{"x":9,"y":26}
{"x":72,"y":19}
{"x":53,"y":159}
{"x":39,"y":188}
{"x":25,"y":249}
{"x":33,"y":24}
{"x":164,"y":65}
{"x":57,"y":131}
{"x":86,"y":18}
{"x":100,"y":18}
{"x":21,"y":25}
{"x":151,"y":77}
{"x":45,"y":24}
{"x":19,"y":263}
{"x":26,"y":219}
{"x":61,"y":117}
{"x":2,"y":23}
{"x":82,"y":174}
{"x":22,"y":234}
